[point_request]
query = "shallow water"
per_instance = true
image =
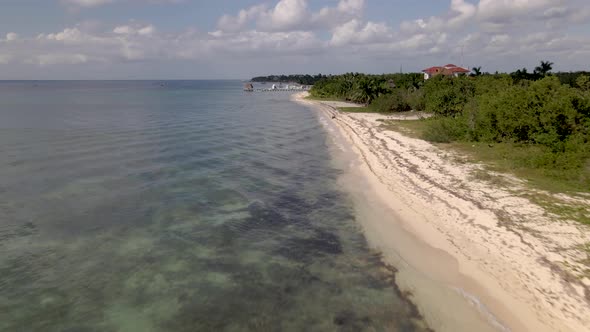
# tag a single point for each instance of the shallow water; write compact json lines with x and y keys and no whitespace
{"x":182,"y":206}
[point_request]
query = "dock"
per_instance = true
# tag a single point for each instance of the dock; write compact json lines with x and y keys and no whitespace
{"x":250,"y":88}
{"x":276,"y":90}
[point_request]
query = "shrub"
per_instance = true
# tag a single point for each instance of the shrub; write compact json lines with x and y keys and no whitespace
{"x":445,"y":129}
{"x":393,"y":102}
{"x":416,"y":99}
{"x":545,"y":113}
{"x":583,"y":82}
{"x":448,"y":95}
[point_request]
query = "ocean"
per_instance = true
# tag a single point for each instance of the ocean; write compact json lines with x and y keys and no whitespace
{"x":179,"y":206}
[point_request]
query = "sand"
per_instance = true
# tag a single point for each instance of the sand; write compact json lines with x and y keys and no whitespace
{"x":473,"y":256}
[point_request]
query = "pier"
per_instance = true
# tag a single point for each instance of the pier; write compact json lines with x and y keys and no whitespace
{"x":250,"y":88}
{"x":275,"y":90}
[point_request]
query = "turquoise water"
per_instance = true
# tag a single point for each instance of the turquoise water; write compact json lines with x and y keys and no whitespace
{"x":178,"y":206}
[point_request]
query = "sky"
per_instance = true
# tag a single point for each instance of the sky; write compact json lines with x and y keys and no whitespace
{"x":239,"y":39}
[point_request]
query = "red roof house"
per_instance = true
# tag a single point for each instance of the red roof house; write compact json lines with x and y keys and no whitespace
{"x":447,"y":70}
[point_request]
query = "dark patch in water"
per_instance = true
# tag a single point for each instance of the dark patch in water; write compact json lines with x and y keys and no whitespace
{"x":263,"y":215}
{"x":347,"y":320}
{"x":262,"y":218}
{"x":291,"y":202}
{"x":320,"y":243}
{"x":10,"y":232}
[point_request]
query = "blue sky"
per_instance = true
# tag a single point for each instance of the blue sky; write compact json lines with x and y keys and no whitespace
{"x":129,"y":39}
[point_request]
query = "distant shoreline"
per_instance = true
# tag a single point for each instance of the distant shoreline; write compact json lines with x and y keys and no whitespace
{"x":452,"y":238}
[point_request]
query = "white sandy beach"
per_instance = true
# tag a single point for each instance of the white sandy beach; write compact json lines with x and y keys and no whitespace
{"x":474,"y":257}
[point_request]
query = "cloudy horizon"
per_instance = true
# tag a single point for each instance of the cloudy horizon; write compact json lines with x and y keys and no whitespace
{"x":159,"y":39}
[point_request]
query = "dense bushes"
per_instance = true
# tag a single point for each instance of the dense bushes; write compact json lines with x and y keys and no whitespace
{"x":365,"y":89}
{"x":544,"y":112}
{"x":448,"y":95}
{"x":395,"y":101}
{"x":445,"y":129}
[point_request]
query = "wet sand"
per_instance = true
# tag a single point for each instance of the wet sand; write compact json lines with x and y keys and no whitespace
{"x":473,"y":257}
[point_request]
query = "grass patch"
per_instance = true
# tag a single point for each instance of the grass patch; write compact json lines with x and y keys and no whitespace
{"x":519,"y":159}
{"x":310,"y":97}
{"x":361,"y":109}
{"x":410,"y":128}
{"x":571,"y":211}
{"x":586,"y":248}
{"x":490,"y":177}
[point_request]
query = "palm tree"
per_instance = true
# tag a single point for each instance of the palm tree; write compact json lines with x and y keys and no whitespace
{"x":367,"y":89}
{"x":544,"y":68}
{"x":476,"y":71}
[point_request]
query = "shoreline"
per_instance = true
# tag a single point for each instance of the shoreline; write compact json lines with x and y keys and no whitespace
{"x":472,"y":256}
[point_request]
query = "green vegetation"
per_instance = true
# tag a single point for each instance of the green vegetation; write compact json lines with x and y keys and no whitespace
{"x":365,"y":89}
{"x":535,"y":125}
{"x":364,"y":109}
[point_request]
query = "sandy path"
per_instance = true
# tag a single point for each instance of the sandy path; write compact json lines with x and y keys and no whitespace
{"x":515,"y":259}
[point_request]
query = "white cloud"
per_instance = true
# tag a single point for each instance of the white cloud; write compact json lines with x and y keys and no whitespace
{"x":11,"y":36}
{"x":123,"y":30}
{"x":461,"y":12}
{"x":288,"y":15}
{"x":67,"y":35}
{"x":236,"y":23}
{"x":61,"y":58}
{"x":354,"y":32}
{"x":146,"y":30}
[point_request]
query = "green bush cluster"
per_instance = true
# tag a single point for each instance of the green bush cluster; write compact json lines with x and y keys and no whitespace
{"x":395,"y":101}
{"x":447,"y":96}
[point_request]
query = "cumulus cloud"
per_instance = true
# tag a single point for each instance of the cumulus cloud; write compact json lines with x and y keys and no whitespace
{"x":146,"y":30}
{"x":289,"y":15}
{"x":354,"y":32}
{"x":236,"y":23}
